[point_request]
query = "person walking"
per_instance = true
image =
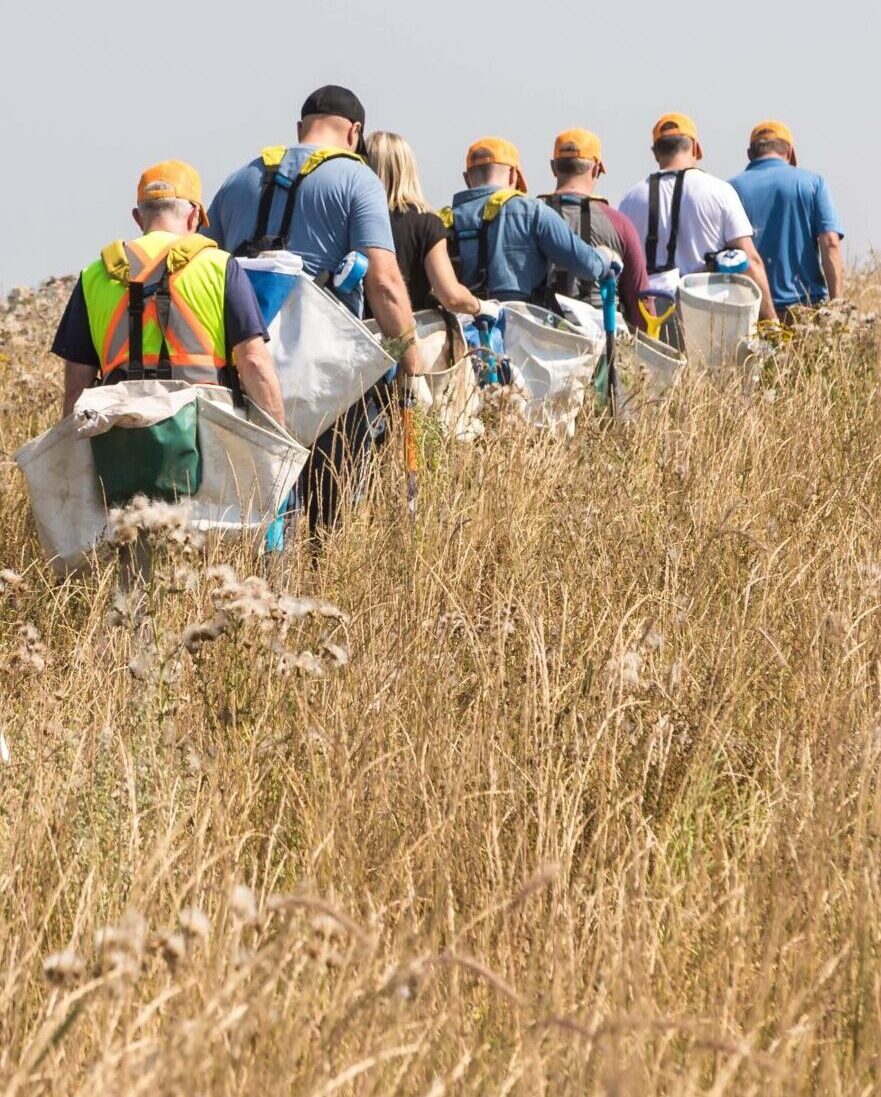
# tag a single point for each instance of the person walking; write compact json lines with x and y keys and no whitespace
{"x":798,"y":230}
{"x":168,"y":302}
{"x":577,"y":164}
{"x":505,"y":242}
{"x":319,"y":199}
{"x":419,"y":234}
{"x":686,"y":216}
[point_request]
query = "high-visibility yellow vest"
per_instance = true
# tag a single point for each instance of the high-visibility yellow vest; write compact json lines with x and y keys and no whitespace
{"x":183,"y":280}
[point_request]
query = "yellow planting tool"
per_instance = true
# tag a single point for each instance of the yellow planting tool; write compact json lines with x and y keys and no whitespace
{"x":654,"y":321}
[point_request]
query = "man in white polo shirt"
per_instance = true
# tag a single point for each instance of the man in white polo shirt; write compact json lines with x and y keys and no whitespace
{"x":685,"y":216}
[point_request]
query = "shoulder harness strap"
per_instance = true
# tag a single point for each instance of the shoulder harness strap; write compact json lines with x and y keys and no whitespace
{"x":675,"y":211}
{"x":116,"y":262}
{"x":315,"y":161}
{"x":272,"y":157}
{"x":185,"y":249}
{"x":651,"y":240}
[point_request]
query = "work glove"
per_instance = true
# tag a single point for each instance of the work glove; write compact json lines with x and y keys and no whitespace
{"x":613,"y":261}
{"x":489,"y":311}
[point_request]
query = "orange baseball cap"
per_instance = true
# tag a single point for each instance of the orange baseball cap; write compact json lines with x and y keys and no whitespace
{"x":675,"y":125}
{"x":773,"y":129}
{"x":496,"y":150}
{"x":579,"y":144}
{"x":180,"y":181}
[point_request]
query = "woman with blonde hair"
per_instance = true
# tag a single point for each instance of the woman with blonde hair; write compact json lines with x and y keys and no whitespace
{"x":419,"y":234}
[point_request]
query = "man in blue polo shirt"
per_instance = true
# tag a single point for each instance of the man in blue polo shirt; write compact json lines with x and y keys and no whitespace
{"x":798,"y":231}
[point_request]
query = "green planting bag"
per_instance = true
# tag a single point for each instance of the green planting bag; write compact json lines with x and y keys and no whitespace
{"x":160,"y":461}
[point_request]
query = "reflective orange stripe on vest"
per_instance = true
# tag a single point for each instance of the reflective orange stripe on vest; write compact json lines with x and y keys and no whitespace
{"x":190,"y":346}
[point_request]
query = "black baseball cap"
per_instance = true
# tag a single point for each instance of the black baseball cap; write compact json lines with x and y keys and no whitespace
{"x":332,"y":99}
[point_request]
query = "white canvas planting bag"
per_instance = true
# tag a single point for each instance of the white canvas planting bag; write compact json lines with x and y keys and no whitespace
{"x":449,"y":385}
{"x":450,"y":376}
{"x":551,"y":366}
{"x":249,"y":465}
{"x":647,"y":370}
{"x":325,"y":357}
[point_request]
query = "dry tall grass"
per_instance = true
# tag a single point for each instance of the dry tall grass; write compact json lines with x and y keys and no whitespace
{"x":594,"y":806}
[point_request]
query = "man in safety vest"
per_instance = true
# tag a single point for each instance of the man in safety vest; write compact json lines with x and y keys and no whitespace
{"x":319,"y":199}
{"x":686,"y":216}
{"x":503,"y":242}
{"x":577,"y":165}
{"x":168,"y":304}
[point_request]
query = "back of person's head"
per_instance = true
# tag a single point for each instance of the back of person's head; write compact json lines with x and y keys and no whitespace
{"x":493,"y":161}
{"x":675,"y":135}
{"x":394,"y":162}
{"x":577,"y":152}
{"x":772,"y":138}
{"x":333,"y":113}
{"x":170,"y":196}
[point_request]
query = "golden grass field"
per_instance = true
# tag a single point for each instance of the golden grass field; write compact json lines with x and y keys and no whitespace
{"x":586,"y":798}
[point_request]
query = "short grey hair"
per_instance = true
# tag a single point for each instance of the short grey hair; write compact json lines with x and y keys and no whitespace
{"x":160,"y":207}
{"x":573,"y":165}
{"x":767,"y":145}
{"x":481,"y":174}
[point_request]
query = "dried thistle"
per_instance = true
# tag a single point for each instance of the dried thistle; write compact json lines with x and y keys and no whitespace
{"x":243,"y":904}
{"x":10,"y":581}
{"x":194,"y":636}
{"x":31,"y":655}
{"x":63,"y":968}
{"x":194,"y":923}
{"x":155,"y":520}
{"x":120,"y":949}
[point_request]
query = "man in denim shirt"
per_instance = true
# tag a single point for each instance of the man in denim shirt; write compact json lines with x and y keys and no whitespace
{"x":506,"y":242}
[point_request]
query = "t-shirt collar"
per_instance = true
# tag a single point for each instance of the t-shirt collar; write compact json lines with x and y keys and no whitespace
{"x":766,"y":162}
{"x":474,"y":194}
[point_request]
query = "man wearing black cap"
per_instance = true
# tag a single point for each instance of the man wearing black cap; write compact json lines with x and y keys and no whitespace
{"x":340,"y":207}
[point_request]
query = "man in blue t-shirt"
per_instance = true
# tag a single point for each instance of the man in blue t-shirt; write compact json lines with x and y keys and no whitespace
{"x":798,"y":231}
{"x":340,"y":206}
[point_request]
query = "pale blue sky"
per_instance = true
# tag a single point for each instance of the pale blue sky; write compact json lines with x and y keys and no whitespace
{"x":92,"y":91}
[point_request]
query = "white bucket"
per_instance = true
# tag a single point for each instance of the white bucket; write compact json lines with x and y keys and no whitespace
{"x":550,"y":366}
{"x":249,"y":465}
{"x":719,"y":313}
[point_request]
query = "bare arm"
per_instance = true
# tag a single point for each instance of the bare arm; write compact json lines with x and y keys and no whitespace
{"x":756,"y":271}
{"x":830,"y":257}
{"x":390,"y":304}
{"x":446,"y":286}
{"x":77,"y":378}
{"x":257,"y":374}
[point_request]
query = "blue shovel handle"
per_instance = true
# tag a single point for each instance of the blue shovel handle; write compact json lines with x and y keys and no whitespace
{"x":609,"y":295}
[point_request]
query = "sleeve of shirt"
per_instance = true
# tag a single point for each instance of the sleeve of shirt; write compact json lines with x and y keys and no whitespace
{"x":214,"y":229}
{"x":433,"y":231}
{"x":73,"y":339}
{"x":561,"y":246}
{"x":241,"y":311}
{"x":826,"y":217}
{"x":369,"y":224}
{"x":634,"y":278}
{"x":735,"y":222}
